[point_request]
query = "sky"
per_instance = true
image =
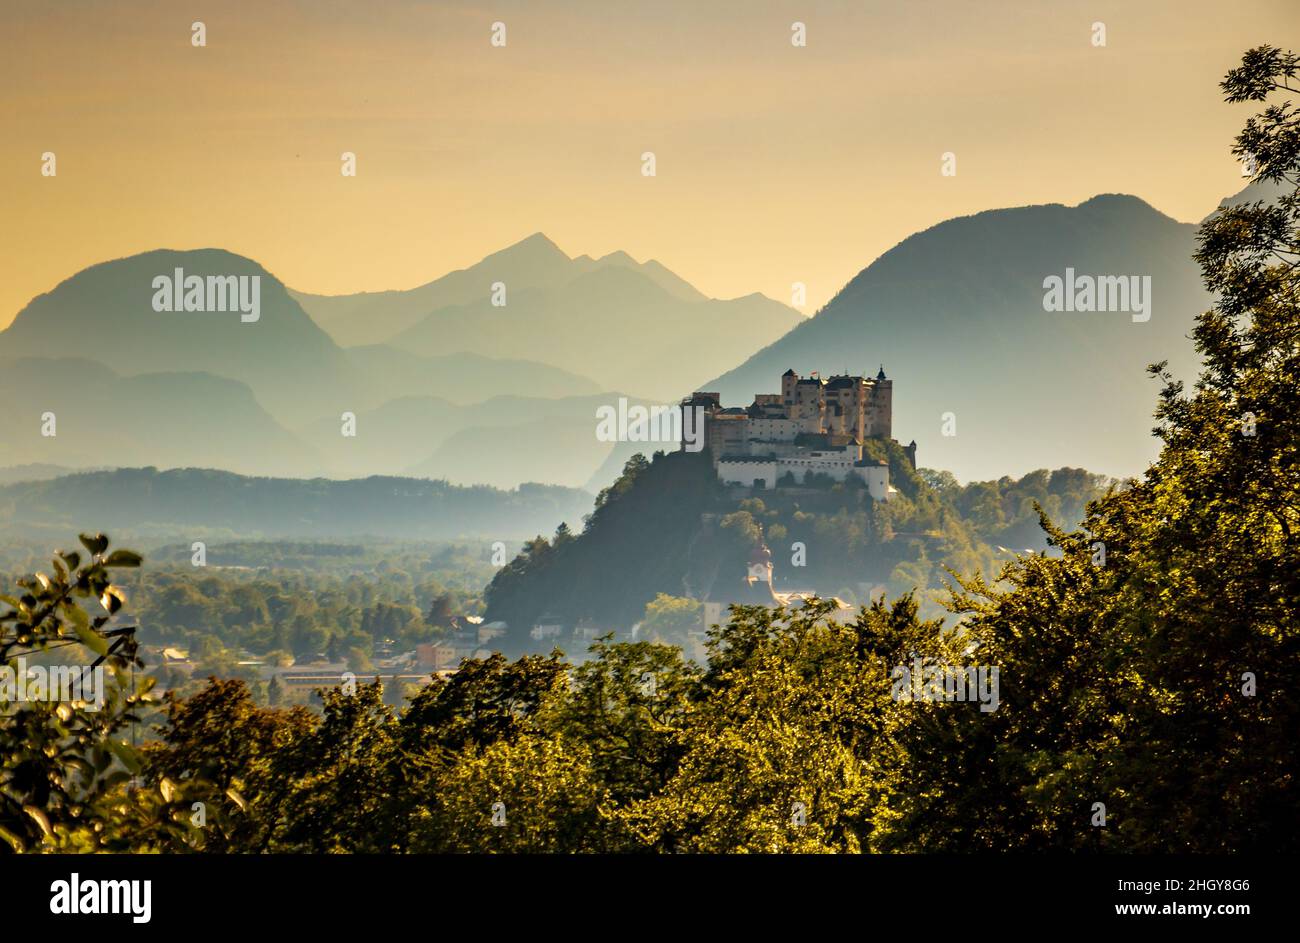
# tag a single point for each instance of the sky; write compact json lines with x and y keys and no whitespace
{"x":774,"y":163}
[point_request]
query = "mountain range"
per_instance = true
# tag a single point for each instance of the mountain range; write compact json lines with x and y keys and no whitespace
{"x":629,"y":325}
{"x":492,"y":402}
{"x":442,"y":381}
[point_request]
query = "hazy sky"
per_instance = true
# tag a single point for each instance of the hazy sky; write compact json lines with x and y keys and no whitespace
{"x":775,"y":164}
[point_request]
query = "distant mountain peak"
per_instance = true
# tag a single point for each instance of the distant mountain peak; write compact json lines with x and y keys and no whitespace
{"x":109,"y":312}
{"x":537,"y":244}
{"x":1113,"y":199}
{"x":204,"y":259}
{"x":618,"y":256}
{"x":1122,"y":204}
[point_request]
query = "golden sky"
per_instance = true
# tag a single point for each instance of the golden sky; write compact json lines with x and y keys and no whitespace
{"x":775,"y":164}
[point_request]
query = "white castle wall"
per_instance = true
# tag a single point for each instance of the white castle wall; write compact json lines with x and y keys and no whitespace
{"x":835,"y":464}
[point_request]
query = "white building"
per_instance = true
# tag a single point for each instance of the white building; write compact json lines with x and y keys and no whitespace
{"x":840,"y":465}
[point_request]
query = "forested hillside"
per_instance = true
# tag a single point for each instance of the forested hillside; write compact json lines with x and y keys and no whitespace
{"x":667,"y":526}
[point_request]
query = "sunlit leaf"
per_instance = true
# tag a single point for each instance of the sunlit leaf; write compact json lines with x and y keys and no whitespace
{"x":95,"y":543}
{"x":126,"y":753}
{"x":89,"y":637}
{"x":39,"y":817}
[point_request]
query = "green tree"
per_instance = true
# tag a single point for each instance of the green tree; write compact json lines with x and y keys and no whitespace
{"x":66,"y":766}
{"x":670,"y":618}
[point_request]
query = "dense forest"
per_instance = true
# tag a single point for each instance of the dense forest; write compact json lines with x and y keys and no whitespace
{"x":668,"y":527}
{"x":1145,"y":668}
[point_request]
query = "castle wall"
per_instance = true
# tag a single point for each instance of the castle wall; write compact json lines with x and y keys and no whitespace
{"x":773,"y":430}
{"x":838,"y":464}
{"x":744,"y":472}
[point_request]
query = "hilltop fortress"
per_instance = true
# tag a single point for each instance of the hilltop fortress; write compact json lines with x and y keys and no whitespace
{"x":812,"y":425}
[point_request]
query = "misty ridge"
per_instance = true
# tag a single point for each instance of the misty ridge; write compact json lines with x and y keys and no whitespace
{"x":204,"y":503}
{"x":268,"y":397}
{"x":498,"y":374}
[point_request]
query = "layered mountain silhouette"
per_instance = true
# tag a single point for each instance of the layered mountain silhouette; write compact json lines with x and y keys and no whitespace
{"x":372,"y":317}
{"x":297,"y":371}
{"x":78,"y":413}
{"x":459,"y":378}
{"x":504,"y":441}
{"x":106,"y":313}
{"x":956,"y":316}
{"x":443,"y":383}
{"x":130,"y":385}
{"x":627,"y":325}
{"x":268,"y":396}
